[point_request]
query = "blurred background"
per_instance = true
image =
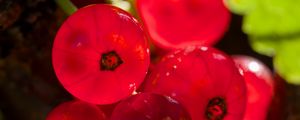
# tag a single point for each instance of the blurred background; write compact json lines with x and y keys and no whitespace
{"x":29,"y":88}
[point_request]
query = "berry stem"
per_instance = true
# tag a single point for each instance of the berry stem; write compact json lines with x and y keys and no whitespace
{"x":67,"y":6}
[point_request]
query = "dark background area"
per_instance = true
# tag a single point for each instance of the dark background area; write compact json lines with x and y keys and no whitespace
{"x":29,"y":88}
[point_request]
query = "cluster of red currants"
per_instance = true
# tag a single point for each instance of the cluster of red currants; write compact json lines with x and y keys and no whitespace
{"x":101,"y":56}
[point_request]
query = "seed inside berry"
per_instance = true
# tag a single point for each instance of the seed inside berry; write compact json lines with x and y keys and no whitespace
{"x":216,"y":109}
{"x":110,"y":61}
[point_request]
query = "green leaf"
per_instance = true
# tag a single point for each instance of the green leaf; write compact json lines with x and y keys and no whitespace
{"x":274,"y":30}
{"x":273,"y":17}
{"x":240,"y":6}
{"x":267,"y":17}
{"x":265,"y":46}
{"x":287,"y":60}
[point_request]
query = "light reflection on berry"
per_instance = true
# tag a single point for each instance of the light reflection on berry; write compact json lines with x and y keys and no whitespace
{"x":96,"y":51}
{"x":260,"y":86}
{"x":201,"y":74}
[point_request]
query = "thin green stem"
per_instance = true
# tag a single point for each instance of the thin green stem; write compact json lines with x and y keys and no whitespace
{"x":67,"y":6}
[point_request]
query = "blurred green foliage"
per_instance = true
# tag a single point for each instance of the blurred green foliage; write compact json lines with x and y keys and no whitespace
{"x":274,"y":30}
{"x":287,"y":60}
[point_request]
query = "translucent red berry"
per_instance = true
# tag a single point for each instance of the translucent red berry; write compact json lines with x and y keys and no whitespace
{"x":204,"y":80}
{"x":179,"y":23}
{"x":100,"y":54}
{"x":260,"y":86}
{"x":76,"y":110}
{"x":148,"y":106}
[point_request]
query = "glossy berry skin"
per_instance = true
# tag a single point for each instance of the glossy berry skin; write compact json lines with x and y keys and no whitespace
{"x":148,"y":106}
{"x":260,"y":86}
{"x":100,"y":54}
{"x":178,"y":23}
{"x":204,"y":80}
{"x":76,"y":110}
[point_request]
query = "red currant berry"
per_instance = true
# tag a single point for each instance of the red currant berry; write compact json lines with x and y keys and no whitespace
{"x":278,"y":109}
{"x":204,"y":80}
{"x":100,"y":54}
{"x":179,"y":23}
{"x":148,"y":106}
{"x":108,"y":108}
{"x":76,"y":110}
{"x":260,"y":86}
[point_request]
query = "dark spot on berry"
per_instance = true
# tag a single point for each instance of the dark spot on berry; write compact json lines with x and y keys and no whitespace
{"x":216,"y":109}
{"x":110,"y":61}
